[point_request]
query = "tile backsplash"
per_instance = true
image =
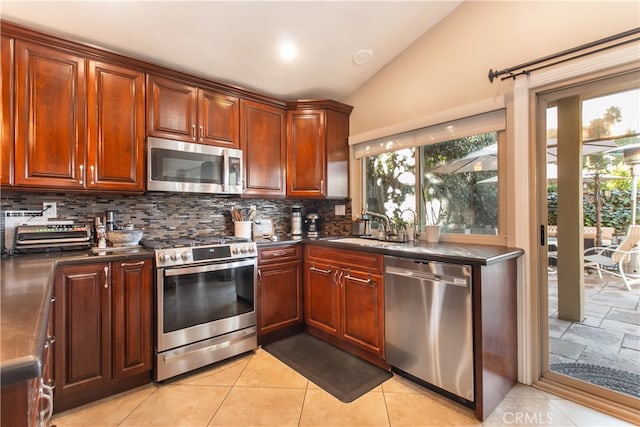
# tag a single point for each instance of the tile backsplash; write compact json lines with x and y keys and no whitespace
{"x":169,"y":215}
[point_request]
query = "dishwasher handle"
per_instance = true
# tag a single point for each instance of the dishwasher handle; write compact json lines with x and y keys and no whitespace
{"x":425,"y":275}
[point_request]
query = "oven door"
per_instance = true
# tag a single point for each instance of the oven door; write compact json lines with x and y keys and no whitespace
{"x":200,"y":302}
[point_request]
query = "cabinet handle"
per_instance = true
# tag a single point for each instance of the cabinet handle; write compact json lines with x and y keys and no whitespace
{"x":341,"y":279}
{"x":259,"y":277}
{"x":53,"y":299}
{"x":132,"y":264}
{"x":201,"y":133}
{"x":106,"y":277}
{"x":81,"y":180}
{"x":193,"y":131}
{"x":322,"y":185}
{"x":319,"y":270}
{"x":46,"y":394}
{"x":357,"y":279}
{"x":92,"y":172}
{"x":50,"y":340}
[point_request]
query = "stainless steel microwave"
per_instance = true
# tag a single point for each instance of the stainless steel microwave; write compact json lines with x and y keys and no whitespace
{"x":194,"y":168}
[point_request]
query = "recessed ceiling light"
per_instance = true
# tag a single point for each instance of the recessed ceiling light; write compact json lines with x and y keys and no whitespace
{"x":288,"y":50}
{"x":363,"y":56}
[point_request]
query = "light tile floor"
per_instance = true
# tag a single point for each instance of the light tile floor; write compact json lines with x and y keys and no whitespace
{"x":258,"y":390}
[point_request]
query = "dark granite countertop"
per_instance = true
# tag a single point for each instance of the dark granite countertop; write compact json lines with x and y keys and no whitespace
{"x":457,"y":253}
{"x":26,"y":288}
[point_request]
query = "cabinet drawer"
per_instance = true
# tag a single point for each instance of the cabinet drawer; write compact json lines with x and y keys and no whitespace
{"x":362,"y":261}
{"x":277,"y":254}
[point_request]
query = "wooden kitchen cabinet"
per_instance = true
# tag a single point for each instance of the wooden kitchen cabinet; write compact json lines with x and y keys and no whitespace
{"x":279,"y":292}
{"x":79,"y":122}
{"x":50,"y":117}
{"x":6,"y":137}
{"x":116,"y":130}
{"x":318,"y":149}
{"x":181,"y":111}
{"x":344,"y":300}
{"x":103,"y":328}
{"x":263,"y":142}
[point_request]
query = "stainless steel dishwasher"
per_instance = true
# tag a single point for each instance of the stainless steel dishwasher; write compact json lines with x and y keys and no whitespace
{"x":428,"y":323}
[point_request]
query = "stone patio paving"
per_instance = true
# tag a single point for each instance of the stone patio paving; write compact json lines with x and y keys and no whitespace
{"x":609,"y":335}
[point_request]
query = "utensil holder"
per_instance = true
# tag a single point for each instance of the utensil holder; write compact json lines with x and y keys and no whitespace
{"x":243,"y":229}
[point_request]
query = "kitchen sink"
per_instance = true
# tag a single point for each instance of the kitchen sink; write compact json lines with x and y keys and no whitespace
{"x":365,"y":242}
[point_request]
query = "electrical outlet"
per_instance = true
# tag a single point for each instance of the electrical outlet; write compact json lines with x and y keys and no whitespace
{"x":340,"y":210}
{"x":50,"y":209}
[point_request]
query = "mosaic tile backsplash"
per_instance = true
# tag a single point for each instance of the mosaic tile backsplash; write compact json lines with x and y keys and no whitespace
{"x":170,"y":215}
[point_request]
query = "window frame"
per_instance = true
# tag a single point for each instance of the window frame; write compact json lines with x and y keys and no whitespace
{"x":499,"y":239}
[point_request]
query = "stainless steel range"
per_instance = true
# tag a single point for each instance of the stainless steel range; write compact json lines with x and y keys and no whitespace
{"x":205,"y":302}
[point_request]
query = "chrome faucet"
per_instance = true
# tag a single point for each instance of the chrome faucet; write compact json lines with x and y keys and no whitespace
{"x":383,"y":217}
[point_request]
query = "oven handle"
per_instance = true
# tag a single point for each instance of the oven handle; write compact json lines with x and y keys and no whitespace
{"x":209,"y":267}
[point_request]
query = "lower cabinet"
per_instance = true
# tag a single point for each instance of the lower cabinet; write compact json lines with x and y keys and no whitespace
{"x":279,"y":292}
{"x":344,"y":300}
{"x":103,"y":328}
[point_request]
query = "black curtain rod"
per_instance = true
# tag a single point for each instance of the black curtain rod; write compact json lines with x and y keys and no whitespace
{"x":512,"y":74}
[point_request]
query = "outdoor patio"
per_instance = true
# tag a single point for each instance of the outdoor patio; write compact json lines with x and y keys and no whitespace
{"x":608,"y":336}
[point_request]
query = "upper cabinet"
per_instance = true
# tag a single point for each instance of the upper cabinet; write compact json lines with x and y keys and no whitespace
{"x":51,"y":101}
{"x":318,"y":150}
{"x":263,"y":141}
{"x":79,"y":122}
{"x":6,"y":112}
{"x":115,"y":152}
{"x":177,"y":110}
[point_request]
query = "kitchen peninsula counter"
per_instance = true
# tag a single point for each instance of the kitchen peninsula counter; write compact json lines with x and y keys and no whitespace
{"x":457,"y":253}
{"x":26,"y":288}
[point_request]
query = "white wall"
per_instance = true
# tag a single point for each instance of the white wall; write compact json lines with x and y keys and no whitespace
{"x":447,"y":67}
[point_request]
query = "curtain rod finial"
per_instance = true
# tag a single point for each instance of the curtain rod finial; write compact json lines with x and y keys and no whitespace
{"x":492,"y":75}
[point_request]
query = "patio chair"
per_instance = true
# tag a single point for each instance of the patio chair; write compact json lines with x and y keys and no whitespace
{"x":612,"y":259}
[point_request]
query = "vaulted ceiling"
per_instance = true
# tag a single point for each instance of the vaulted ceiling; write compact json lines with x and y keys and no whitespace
{"x":238,"y":42}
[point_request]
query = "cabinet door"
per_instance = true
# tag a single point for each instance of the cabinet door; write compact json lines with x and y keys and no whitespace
{"x":279,"y":296}
{"x":6,"y":141}
{"x":321,"y":297}
{"x":50,"y":117}
{"x":306,"y":153}
{"x":264,"y":148}
{"x":218,"y":119}
{"x":131,"y":316}
{"x":171,"y":109}
{"x":83,"y":329}
{"x":115,"y":157}
{"x":362,"y":310}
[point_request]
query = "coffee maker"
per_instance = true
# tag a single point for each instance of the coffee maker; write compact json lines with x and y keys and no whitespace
{"x":312,"y":221}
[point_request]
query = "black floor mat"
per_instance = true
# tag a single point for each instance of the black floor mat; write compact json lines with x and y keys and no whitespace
{"x":343,"y":375}
{"x":613,"y":379}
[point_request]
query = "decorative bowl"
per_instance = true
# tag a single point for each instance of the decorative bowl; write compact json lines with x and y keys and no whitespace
{"x":124,"y":237}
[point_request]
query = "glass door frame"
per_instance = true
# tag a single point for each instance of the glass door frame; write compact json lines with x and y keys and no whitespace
{"x":587,"y":86}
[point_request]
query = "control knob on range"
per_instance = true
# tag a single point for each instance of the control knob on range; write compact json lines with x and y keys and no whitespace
{"x":163,"y":257}
{"x":243,"y":249}
{"x":175,"y":256}
{"x":185,"y":255}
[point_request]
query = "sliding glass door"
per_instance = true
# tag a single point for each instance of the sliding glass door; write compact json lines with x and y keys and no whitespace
{"x":590,"y":319}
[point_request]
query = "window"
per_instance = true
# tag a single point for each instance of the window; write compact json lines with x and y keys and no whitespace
{"x":451,"y":182}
